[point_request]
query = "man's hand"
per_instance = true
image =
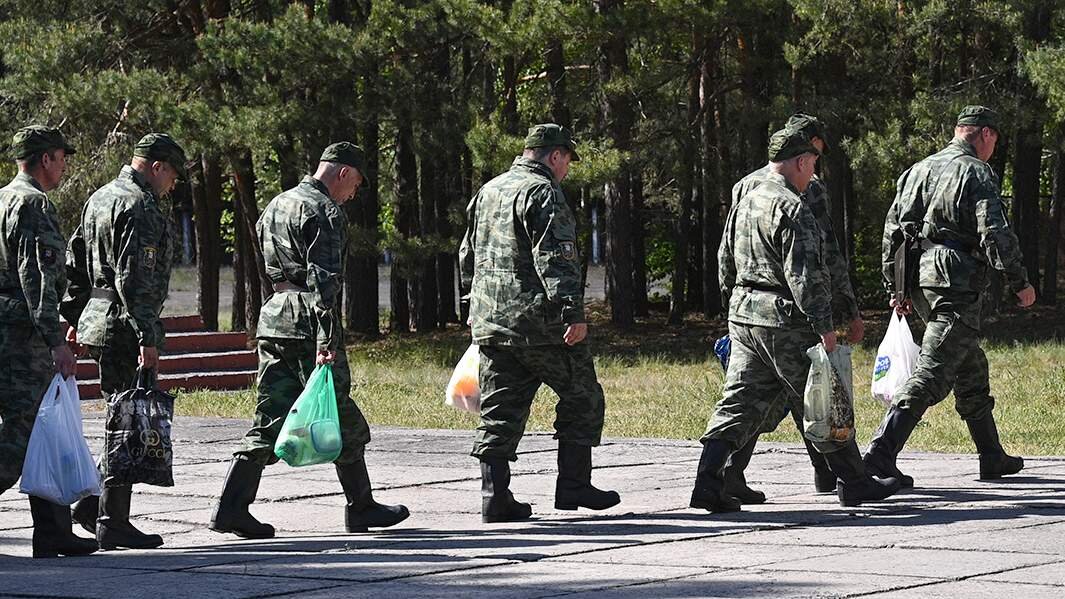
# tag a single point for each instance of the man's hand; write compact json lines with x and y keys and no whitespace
{"x":903,"y":308}
{"x":829,"y":341}
{"x":856,"y":330}
{"x":149,"y":357}
{"x":72,"y":341}
{"x":575,"y":333}
{"x":324,"y":356}
{"x":65,"y":362}
{"x":1026,"y":296}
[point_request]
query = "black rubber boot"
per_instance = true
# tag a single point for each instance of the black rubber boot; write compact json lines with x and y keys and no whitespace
{"x":497,"y":502}
{"x":994,"y":461}
{"x":824,"y":478}
{"x":855,"y":485}
{"x":52,"y":534}
{"x":573,"y":488}
{"x":735,"y":481}
{"x":709,"y":492}
{"x":86,"y":512}
{"x":238,"y":492}
{"x":362,"y":512}
{"x":113,"y":528}
{"x":896,"y":428}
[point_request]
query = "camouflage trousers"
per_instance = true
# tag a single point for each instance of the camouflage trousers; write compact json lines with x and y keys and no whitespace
{"x":285,"y":365}
{"x":950,"y":358}
{"x":766,"y":377}
{"x":510,"y":376}
{"x":117,"y":360}
{"x":25,"y":372}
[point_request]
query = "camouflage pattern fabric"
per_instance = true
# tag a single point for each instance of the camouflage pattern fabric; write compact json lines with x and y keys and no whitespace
{"x":118,"y":361}
{"x":519,"y":260}
{"x":510,"y":377}
{"x":285,"y":365}
{"x":128,"y":250}
{"x":31,"y":282}
{"x":952,"y":198}
{"x":302,"y":234}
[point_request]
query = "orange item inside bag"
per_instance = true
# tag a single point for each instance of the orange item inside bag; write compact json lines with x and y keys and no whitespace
{"x":464,"y":389}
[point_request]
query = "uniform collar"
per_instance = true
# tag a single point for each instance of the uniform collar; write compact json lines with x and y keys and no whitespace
{"x":782,"y":181}
{"x":964,"y":146}
{"x":134,"y":175}
{"x":316,"y":184}
{"x":528,"y":164}
{"x":25,"y":177}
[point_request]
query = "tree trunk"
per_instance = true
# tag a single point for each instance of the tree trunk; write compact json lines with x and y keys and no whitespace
{"x":1054,"y":233}
{"x":694,"y":298}
{"x":618,"y":116}
{"x":207,"y":206}
{"x":254,"y":265}
{"x":554,"y":60}
{"x":714,"y":153}
{"x":405,"y":210}
{"x":427,"y":298}
{"x":239,"y":314}
{"x":639,"y":248}
{"x":1027,"y":164}
{"x":685,"y":187}
{"x":363,"y":314}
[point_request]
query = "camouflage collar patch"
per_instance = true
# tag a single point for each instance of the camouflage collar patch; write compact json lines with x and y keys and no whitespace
{"x":148,"y":257}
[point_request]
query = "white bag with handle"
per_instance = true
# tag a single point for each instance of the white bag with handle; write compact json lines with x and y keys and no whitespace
{"x":896,"y":360}
{"x":464,"y":389}
{"x":59,"y":466}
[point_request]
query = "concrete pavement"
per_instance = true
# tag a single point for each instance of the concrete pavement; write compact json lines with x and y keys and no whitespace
{"x":953,"y":536}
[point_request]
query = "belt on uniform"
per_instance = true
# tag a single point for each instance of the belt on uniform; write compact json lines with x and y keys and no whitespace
{"x":105,"y":294}
{"x":282,"y":286}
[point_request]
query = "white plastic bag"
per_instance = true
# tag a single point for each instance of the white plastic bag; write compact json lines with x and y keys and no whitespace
{"x":896,"y":359}
{"x":59,"y":466}
{"x":464,"y":389}
{"x":828,"y":401}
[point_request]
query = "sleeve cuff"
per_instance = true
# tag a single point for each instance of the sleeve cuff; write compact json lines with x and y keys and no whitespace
{"x":573,"y":315}
{"x":53,"y":340}
{"x":822,"y":326}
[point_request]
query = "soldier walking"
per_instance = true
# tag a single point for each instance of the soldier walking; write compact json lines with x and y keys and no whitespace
{"x":772,"y":272}
{"x":844,"y":309}
{"x":32,"y":348}
{"x":949,"y":222}
{"x":115,"y":313}
{"x":520,"y":265}
{"x":302,"y":234}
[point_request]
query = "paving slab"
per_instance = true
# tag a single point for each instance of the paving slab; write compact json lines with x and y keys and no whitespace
{"x":952,"y":536}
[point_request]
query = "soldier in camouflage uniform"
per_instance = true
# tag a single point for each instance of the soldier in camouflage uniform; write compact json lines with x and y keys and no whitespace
{"x":947,"y":209}
{"x":844,"y":309}
{"x":121,"y":257}
{"x":32,"y":348}
{"x":302,"y":235}
{"x":520,"y":265}
{"x":774,"y":278}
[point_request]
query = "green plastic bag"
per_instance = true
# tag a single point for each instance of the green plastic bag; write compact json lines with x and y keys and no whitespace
{"x":311,"y":432}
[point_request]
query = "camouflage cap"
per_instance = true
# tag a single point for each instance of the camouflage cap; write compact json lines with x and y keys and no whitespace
{"x":810,"y":125}
{"x":789,"y":143}
{"x":160,"y":146}
{"x":345,"y":152}
{"x":979,"y":116}
{"x":548,"y":135}
{"x":28,"y":141}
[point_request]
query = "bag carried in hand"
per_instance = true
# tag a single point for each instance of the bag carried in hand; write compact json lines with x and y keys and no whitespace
{"x":464,"y":389}
{"x":59,"y":466}
{"x":828,"y":404}
{"x":723,"y":350}
{"x":896,"y":360}
{"x":311,"y":432}
{"x":137,"y":446}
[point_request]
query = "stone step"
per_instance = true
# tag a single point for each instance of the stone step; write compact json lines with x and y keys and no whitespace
{"x":192,"y":362}
{"x":172,"y":324}
{"x":237,"y":379}
{"x":202,"y":342}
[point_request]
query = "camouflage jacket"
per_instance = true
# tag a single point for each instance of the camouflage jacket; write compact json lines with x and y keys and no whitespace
{"x":518,"y":259}
{"x":770,"y":261}
{"x":816,"y":198}
{"x":120,"y":260}
{"x":952,"y":199}
{"x":31,"y":259}
{"x":302,"y":234}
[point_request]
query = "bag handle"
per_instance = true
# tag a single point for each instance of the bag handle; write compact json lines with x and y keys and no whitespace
{"x":143,"y":379}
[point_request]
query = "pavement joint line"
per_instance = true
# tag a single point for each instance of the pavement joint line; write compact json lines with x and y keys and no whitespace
{"x":632,"y":584}
{"x":952,"y":579}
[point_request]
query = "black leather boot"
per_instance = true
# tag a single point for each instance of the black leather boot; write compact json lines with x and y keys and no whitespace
{"x":497,"y":502}
{"x":86,"y":512}
{"x":52,"y":534}
{"x":824,"y":478}
{"x":113,"y":528}
{"x":709,"y":492}
{"x":994,"y":461}
{"x":735,"y":481}
{"x":896,"y":428}
{"x":573,"y":488}
{"x":362,"y":512}
{"x":855,"y":485}
{"x":238,"y":492}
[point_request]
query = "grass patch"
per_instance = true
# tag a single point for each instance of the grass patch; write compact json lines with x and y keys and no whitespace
{"x":662,"y":382}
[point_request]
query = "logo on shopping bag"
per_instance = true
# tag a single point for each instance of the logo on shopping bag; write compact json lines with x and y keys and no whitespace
{"x":883,"y":365}
{"x":151,"y":445}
